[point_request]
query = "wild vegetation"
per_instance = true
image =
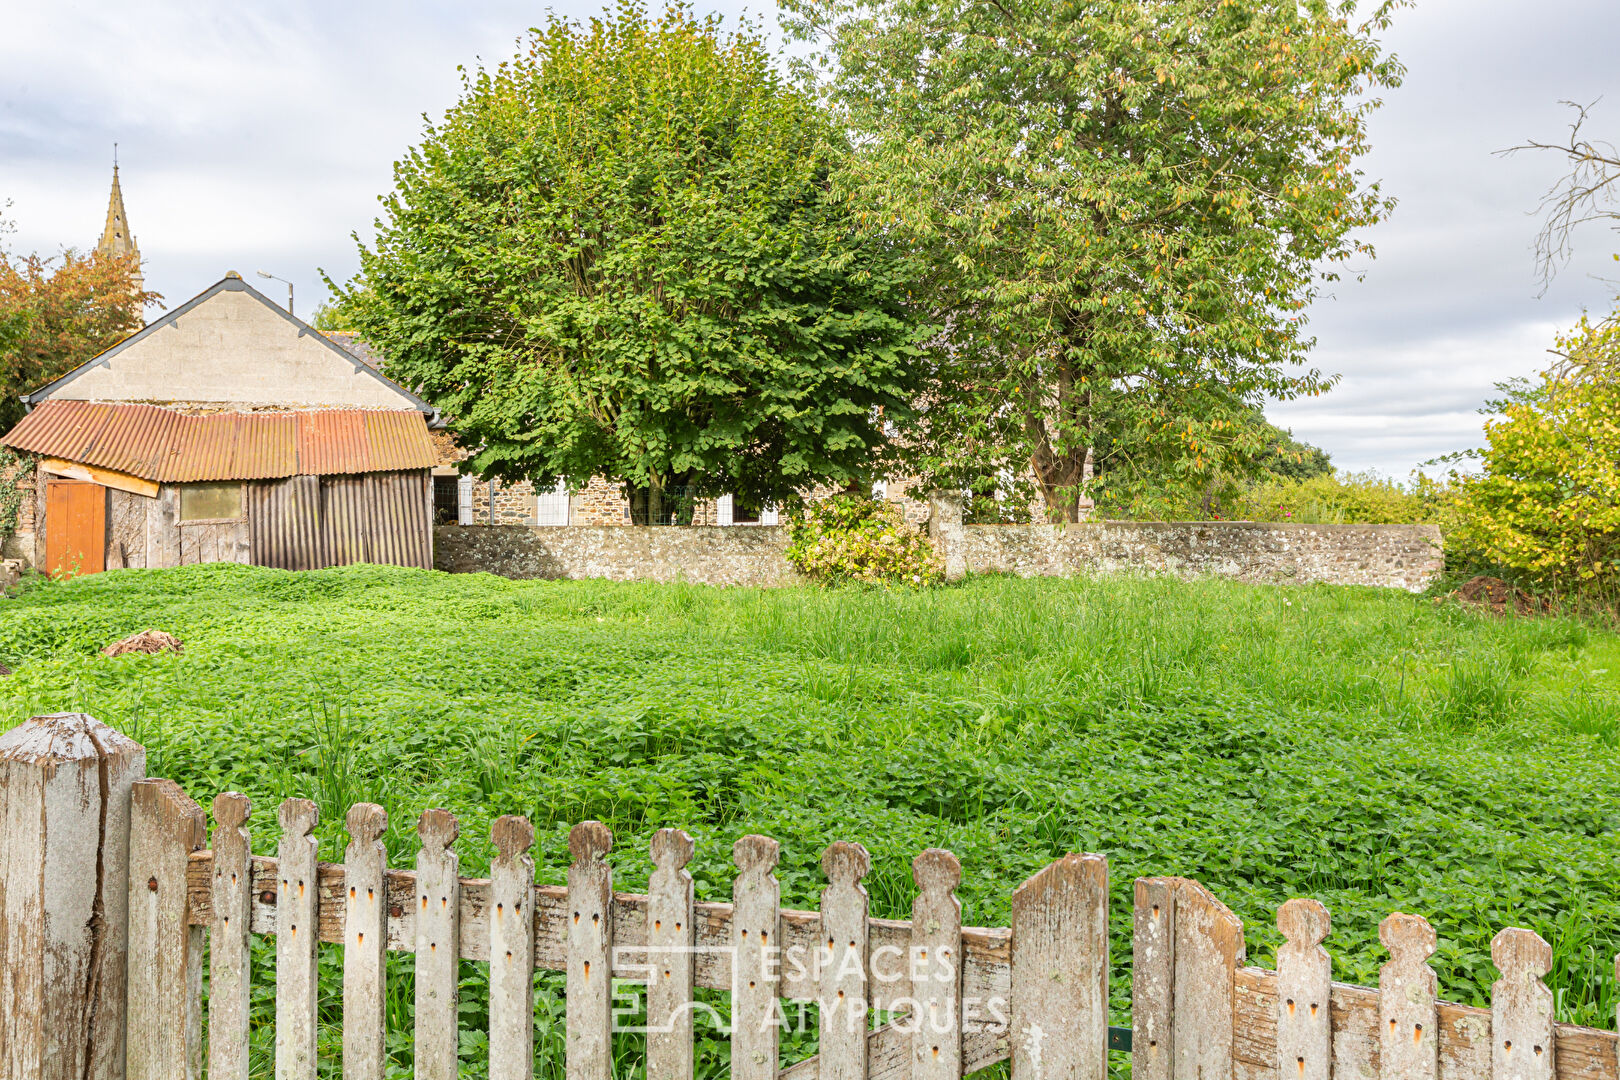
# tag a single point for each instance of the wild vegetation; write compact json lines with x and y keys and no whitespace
{"x":852,"y":538}
{"x":1545,"y":503}
{"x":57,"y":312}
{"x":1369,"y":748}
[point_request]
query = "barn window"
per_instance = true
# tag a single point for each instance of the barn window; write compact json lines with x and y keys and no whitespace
{"x":211,"y":502}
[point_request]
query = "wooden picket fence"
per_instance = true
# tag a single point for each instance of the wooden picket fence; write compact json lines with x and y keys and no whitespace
{"x":925,"y":998}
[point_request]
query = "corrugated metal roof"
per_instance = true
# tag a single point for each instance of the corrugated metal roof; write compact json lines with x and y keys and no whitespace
{"x":171,"y":447}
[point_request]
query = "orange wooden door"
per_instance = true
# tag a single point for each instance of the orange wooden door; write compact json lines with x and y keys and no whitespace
{"x":75,"y":527}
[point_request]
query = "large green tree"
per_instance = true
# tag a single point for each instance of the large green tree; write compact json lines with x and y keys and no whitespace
{"x":618,"y":256}
{"x":1119,"y":208}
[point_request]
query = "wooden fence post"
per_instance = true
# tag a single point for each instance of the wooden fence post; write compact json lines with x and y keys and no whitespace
{"x":1409,"y":1019}
{"x":936,"y":967}
{"x":590,"y":954}
{"x":1522,"y":1033}
{"x":64,"y":862}
{"x":1058,"y":1001}
{"x":297,"y":940}
{"x":165,"y":952}
{"x":438,"y":944}
{"x":230,"y":979}
{"x":511,"y":950}
{"x":1304,"y":986}
{"x":670,"y":938}
{"x":365,"y":963}
{"x":845,"y":968}
{"x":1153,"y":972}
{"x":1189,"y":947}
{"x":756,"y":922}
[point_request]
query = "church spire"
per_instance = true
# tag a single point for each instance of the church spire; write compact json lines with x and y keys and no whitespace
{"x":116,"y":239}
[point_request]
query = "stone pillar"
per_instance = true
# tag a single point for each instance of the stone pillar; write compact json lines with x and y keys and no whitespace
{"x":945,"y":531}
{"x":65,"y":785}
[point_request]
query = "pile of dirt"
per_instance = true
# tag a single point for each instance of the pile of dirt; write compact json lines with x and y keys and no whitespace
{"x":1498,"y":597}
{"x":147,"y":641}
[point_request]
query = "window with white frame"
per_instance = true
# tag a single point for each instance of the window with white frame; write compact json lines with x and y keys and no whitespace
{"x":729,"y":511}
{"x":551,"y":507}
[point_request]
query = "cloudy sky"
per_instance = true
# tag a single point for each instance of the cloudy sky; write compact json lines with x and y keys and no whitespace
{"x":258,"y":137}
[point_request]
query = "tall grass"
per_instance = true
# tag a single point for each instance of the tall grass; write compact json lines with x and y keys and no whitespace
{"x":1369,"y":748}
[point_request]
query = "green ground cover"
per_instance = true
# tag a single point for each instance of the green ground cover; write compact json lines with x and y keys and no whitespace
{"x":1367,"y":748}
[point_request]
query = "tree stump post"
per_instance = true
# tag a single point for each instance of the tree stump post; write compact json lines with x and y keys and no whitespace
{"x":65,"y":783}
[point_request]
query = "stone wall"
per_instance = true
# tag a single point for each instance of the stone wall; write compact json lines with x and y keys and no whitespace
{"x":1392,"y":556}
{"x":20,"y":544}
{"x":738,"y":555}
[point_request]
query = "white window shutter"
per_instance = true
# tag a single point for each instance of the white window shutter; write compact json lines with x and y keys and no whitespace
{"x":768,"y":516}
{"x":464,"y":500}
{"x":551,"y":507}
{"x":722,"y":510}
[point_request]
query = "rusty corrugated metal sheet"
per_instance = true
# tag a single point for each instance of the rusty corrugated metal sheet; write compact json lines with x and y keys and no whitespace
{"x":171,"y":447}
{"x":307,"y":522}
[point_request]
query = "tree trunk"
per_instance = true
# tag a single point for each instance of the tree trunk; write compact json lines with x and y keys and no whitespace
{"x":655,"y":502}
{"x":1060,"y":477}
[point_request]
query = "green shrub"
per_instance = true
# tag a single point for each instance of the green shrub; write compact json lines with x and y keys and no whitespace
{"x":853,"y":538}
{"x":1546,"y":505}
{"x":1340,"y":498}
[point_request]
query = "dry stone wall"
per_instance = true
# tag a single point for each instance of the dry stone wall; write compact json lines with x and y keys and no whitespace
{"x":1391,"y":556}
{"x":709,"y":555}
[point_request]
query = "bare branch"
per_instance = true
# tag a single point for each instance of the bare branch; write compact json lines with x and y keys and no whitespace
{"x":1589,"y":192}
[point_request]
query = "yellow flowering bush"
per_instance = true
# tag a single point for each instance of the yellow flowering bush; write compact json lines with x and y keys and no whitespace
{"x":1547,"y":502}
{"x":851,"y":538}
{"x":1334,"y":498}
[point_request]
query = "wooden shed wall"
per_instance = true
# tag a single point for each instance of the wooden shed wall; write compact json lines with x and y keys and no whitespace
{"x":147,"y":532}
{"x":300,"y":523}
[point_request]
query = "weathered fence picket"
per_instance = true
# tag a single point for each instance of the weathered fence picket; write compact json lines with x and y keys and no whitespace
{"x":65,"y":784}
{"x":756,"y":918}
{"x":844,"y":968}
{"x":1523,"y":1042}
{"x":230,"y":939}
{"x":949,"y":999}
{"x":511,"y":951}
{"x":163,"y":1032}
{"x":670,"y":938}
{"x":365,"y":943}
{"x":1304,"y":985}
{"x":1409,"y":1023}
{"x":297,"y":939}
{"x":936,"y":967}
{"x":1153,"y":942}
{"x":590,"y":954}
{"x":1058,"y":999}
{"x":438,"y":940}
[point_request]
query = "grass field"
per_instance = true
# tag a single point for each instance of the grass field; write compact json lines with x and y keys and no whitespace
{"x":1368,"y":748}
